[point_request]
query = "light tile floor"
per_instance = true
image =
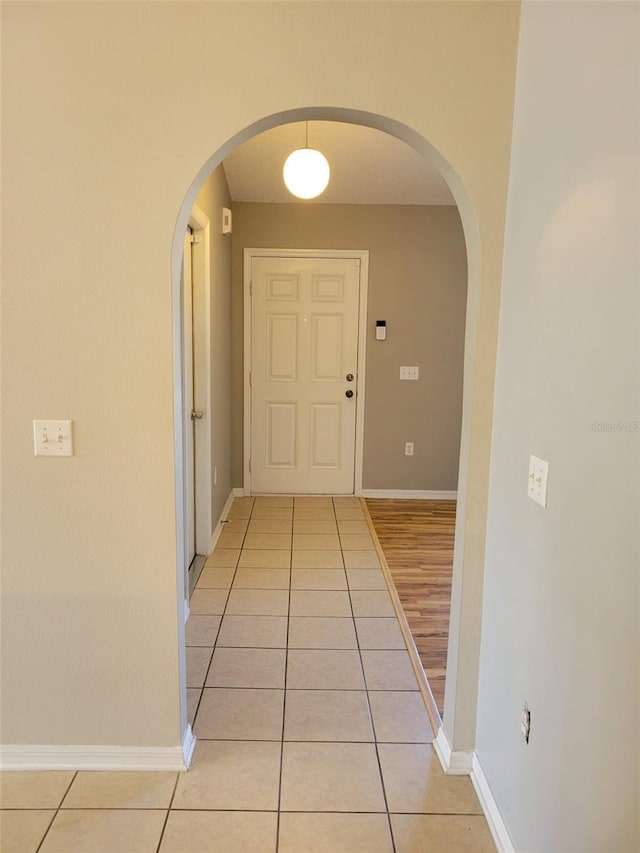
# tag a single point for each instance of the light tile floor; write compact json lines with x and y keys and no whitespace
{"x":312,"y":734}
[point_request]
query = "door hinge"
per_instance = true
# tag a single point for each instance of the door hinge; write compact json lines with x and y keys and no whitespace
{"x":250,"y":288}
{"x":250,"y":380}
{"x":249,"y":465}
{"x":195,"y":238}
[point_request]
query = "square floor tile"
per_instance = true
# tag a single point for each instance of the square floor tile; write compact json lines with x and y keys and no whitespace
{"x":327,"y":715}
{"x":371,"y":603}
{"x":262,"y":579}
{"x":350,"y":513}
{"x":102,"y":789}
{"x":347,"y":526}
{"x":365,"y":578}
{"x":317,"y":560}
{"x":441,"y":834}
{"x":361,"y":560}
{"x":230,"y":714}
{"x":269,"y":525}
{"x":220,"y":832}
{"x":334,"y":777}
{"x":319,"y":669}
{"x":307,"y":525}
{"x":316,"y":542}
{"x":201,"y":630}
{"x":33,"y":789}
{"x":197,"y":665}
{"x":400,"y":717}
{"x":273,"y":513}
{"x":318,"y":579}
{"x":265,"y":558}
{"x":266,"y":632}
{"x":337,"y":833}
{"x":243,"y":511}
{"x":22,"y":831}
{"x":383,"y":633}
{"x":313,"y":632}
{"x":311,"y":501}
{"x":319,"y":603}
{"x":258,"y":602}
{"x":193,"y":697}
{"x":212,"y":577}
{"x":223,"y":558}
{"x":314,"y":513}
{"x":415,"y":782}
{"x":247,"y":668}
{"x":388,"y":670}
{"x":231,"y":775}
{"x":269,"y":541}
{"x":236,"y":525}
{"x":273,"y":501}
{"x":105,"y":830}
{"x":208,"y":601}
{"x":228,"y":539}
{"x":356,"y":542}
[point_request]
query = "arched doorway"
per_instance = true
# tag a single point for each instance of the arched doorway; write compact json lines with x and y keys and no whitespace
{"x":471,"y":232}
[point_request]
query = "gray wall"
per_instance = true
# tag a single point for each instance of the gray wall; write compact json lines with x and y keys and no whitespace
{"x":417,"y":283}
{"x":213,"y":196}
{"x":560,"y":618}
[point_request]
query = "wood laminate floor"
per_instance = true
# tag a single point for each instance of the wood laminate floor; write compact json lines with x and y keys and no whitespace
{"x":417,"y":539}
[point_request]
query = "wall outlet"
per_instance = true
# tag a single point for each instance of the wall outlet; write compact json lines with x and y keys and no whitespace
{"x":525,"y":723}
{"x":408,"y":448}
{"x":409,"y":373}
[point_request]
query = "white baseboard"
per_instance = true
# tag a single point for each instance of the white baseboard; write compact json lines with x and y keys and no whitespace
{"x":414,"y":494}
{"x":188,"y":746}
{"x":218,"y":528}
{"x":238,"y":493}
{"x":36,"y":757}
{"x":465,"y":763}
{"x":499,"y":831}
{"x":454,"y":762}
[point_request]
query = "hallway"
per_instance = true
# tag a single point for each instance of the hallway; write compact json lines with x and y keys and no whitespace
{"x":312,"y":734}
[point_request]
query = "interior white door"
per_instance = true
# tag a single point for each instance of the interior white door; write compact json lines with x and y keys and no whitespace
{"x":304,"y":349}
{"x":187,"y":384}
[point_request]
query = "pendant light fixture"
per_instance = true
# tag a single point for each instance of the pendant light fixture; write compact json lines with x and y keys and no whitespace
{"x":306,"y":171}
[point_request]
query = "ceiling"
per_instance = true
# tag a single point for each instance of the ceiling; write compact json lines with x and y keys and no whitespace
{"x":367,"y":167}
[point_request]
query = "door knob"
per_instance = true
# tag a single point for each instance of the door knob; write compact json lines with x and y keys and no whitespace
{"x":349,"y":377}
{"x":348,"y":393}
{"x":197,"y":416}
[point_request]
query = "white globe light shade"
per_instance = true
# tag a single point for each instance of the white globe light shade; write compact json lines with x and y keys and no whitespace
{"x":306,"y":173}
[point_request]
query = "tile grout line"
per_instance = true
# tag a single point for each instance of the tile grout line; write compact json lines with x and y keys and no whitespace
{"x":166,"y":818}
{"x":284,"y":695}
{"x":57,"y":811}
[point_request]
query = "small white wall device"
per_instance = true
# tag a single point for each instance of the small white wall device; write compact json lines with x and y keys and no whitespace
{"x":381,"y":330}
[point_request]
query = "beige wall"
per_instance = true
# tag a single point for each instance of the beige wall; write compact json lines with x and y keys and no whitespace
{"x":110,"y":110}
{"x":418,"y":284}
{"x":213,"y":196}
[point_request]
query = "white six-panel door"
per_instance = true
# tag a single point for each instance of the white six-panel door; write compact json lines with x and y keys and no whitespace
{"x":304,"y":350}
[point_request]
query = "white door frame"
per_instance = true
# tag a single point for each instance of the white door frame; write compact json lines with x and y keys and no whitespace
{"x":201,"y":276}
{"x":357,"y":254}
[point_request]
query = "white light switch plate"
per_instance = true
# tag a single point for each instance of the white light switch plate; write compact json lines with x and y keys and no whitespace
{"x":409,"y":373}
{"x":537,"y":483}
{"x":52,"y":438}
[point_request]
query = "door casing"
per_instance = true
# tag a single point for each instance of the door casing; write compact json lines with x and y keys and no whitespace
{"x":359,"y":254}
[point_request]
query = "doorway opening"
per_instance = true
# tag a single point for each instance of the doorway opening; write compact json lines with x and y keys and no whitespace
{"x":472,"y":244}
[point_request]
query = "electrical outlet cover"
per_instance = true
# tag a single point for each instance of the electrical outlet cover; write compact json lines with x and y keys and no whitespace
{"x":537,"y":481}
